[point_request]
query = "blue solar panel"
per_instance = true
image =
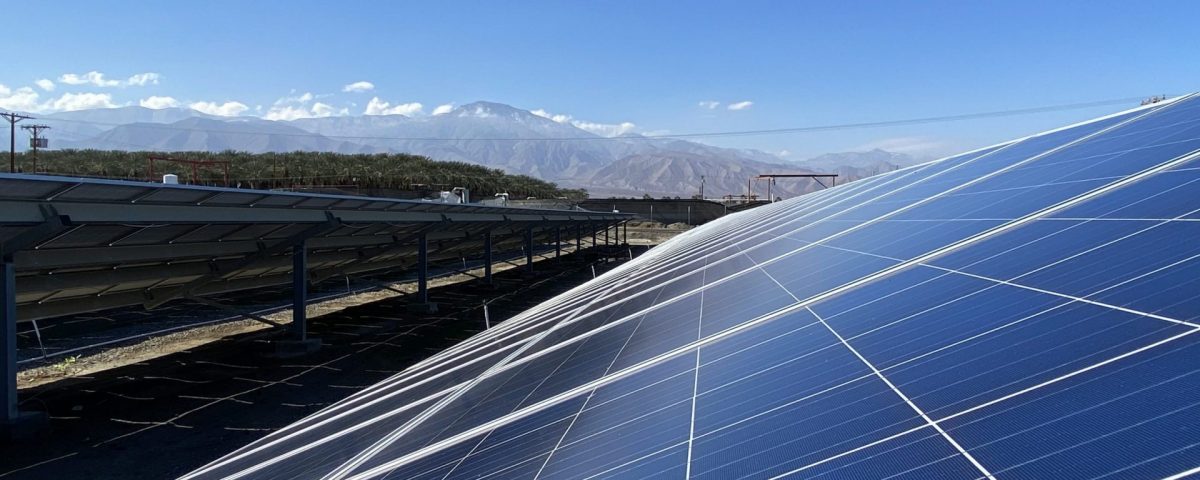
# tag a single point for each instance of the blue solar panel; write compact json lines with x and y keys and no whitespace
{"x":1021,"y":311}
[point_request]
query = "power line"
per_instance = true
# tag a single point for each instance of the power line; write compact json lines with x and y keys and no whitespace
{"x":772,"y":131}
{"x":13,"y":118}
{"x":37,"y":141}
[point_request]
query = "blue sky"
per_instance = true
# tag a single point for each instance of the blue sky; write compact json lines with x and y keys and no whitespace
{"x":644,"y":66}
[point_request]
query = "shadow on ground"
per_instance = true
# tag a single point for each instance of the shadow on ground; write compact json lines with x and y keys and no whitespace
{"x":168,"y":416}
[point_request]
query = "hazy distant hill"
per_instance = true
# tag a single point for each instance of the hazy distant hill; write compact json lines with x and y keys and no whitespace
{"x":204,"y":134}
{"x":874,"y":160}
{"x":485,"y":133}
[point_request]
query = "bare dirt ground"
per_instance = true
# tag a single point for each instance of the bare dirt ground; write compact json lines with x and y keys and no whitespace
{"x":654,"y":233}
{"x":157,"y":346}
{"x":165,"y":406}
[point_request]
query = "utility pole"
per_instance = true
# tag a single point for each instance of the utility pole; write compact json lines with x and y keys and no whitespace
{"x":37,"y":141}
{"x":702,"y":187}
{"x":13,"y":118}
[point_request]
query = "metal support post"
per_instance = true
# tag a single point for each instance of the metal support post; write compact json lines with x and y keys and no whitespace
{"x":299,"y":343}
{"x":299,"y":291}
{"x":487,"y":257}
{"x":422,"y":303}
{"x":8,"y":315}
{"x":14,"y":424}
{"x":422,"y":269}
{"x":529,"y":249}
{"x":557,"y":242}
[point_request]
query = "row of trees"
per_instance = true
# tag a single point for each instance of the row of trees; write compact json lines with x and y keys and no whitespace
{"x":300,"y":170}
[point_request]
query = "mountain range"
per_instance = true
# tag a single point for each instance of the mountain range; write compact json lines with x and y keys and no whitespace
{"x":487,"y":133}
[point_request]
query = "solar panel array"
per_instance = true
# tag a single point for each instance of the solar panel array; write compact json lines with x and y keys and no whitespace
{"x":1026,"y":310}
{"x":101,"y":244}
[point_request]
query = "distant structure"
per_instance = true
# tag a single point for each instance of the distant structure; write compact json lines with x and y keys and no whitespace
{"x":770,"y":178}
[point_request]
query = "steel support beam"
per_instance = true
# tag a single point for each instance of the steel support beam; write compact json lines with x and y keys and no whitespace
{"x":422,"y":269}
{"x":8,"y":315}
{"x":487,"y":257}
{"x":529,"y":249}
{"x":422,"y":303}
{"x":186,"y":290}
{"x":299,"y":291}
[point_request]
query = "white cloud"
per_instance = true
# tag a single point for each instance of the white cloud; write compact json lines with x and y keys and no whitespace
{"x":322,"y":110}
{"x":300,"y":99}
{"x":23,"y":99}
{"x":45,"y":84}
{"x":82,"y":101}
{"x":443,"y":109}
{"x":92,"y":77}
{"x":227,"y":109}
{"x":143,"y":79}
{"x":96,"y":78}
{"x":289,"y":112}
{"x":784,"y":153}
{"x":286,"y":113}
{"x":361,"y":86}
{"x":710,"y":104}
{"x":602,"y":129}
{"x":743,"y":105}
{"x":560,"y":117}
{"x":915,"y":146}
{"x":380,"y":107}
{"x":157,"y":102}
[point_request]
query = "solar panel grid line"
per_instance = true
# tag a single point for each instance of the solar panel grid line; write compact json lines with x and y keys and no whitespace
{"x":485,"y":436}
{"x":969,"y":410}
{"x":695,"y":378}
{"x":668,"y":272}
{"x":780,"y":226}
{"x":585,"y":403}
{"x":362,"y":457}
{"x":584,"y":388}
{"x":874,"y":373}
{"x":515,"y":321}
{"x":1051,"y":453}
{"x":603,"y":473}
{"x":1121,"y":219}
{"x":730,"y":277}
{"x":425,"y":362}
{"x":1184,"y":474}
{"x":1074,"y":298}
{"x":468,"y":346}
{"x":904,"y":397}
{"x":1011,"y":283}
{"x":1069,"y":375}
{"x":690,"y":249}
{"x":324,"y":412}
{"x":750,"y":238}
{"x":904,"y":472}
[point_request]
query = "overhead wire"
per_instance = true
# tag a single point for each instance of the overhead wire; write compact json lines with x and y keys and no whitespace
{"x":733,"y":133}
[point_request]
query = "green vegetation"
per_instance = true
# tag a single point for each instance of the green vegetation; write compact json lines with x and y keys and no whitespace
{"x":370,"y":173}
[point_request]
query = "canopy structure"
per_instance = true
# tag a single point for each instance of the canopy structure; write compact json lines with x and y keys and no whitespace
{"x":81,"y":245}
{"x":1026,"y":310}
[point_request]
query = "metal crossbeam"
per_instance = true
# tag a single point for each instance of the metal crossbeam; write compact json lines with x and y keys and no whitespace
{"x":331,"y":223}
